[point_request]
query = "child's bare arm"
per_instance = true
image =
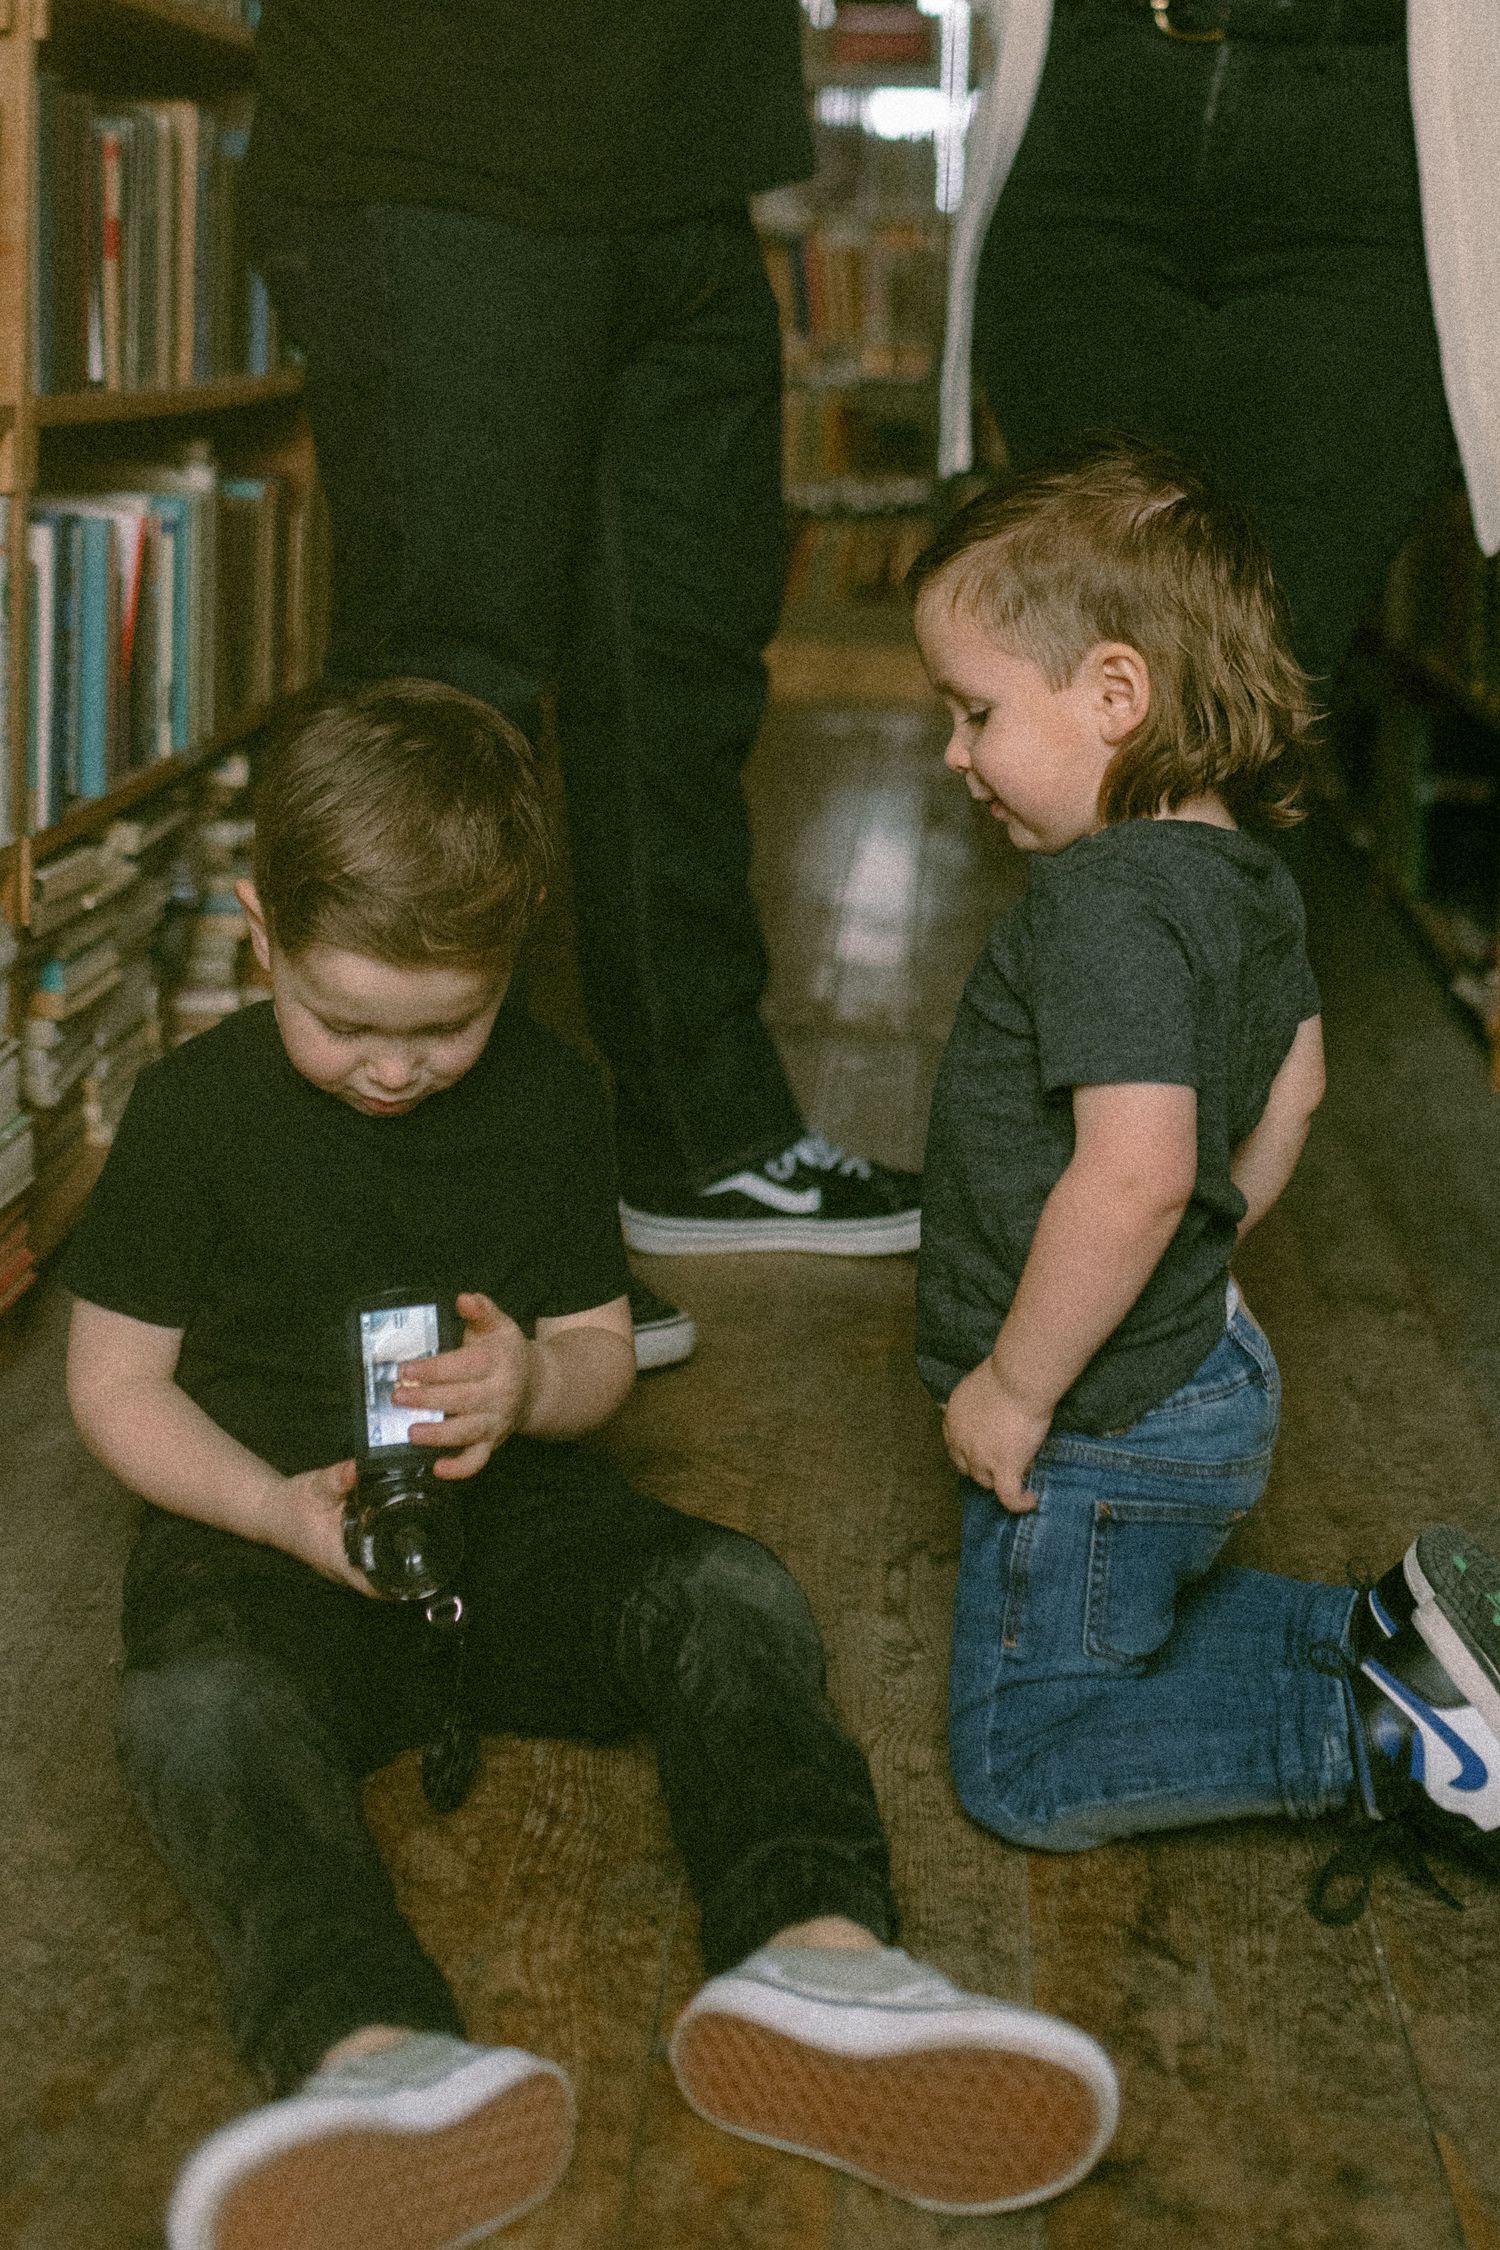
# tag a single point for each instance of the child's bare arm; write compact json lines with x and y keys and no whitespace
{"x":132,"y":1415}
{"x":1101,"y":1235}
{"x":1267,"y":1157}
{"x":562,"y":1383}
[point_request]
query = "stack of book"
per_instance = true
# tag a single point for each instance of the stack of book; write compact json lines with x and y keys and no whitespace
{"x":92,"y":1018}
{"x":17,"y":1160}
{"x":162,"y":611}
{"x":217,"y":973}
{"x":142,"y":280}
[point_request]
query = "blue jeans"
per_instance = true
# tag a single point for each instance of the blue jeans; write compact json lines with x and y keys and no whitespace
{"x":553,"y":467}
{"x":1110,"y":1675}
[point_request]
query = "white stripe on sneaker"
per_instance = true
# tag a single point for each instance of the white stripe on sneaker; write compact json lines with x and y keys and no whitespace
{"x":797,"y":1203}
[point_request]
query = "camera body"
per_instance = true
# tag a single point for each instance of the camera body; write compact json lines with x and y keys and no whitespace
{"x":403,"y":1526}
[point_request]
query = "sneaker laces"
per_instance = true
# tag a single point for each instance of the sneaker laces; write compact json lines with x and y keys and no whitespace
{"x":1340,"y":1891}
{"x":814,"y":1154}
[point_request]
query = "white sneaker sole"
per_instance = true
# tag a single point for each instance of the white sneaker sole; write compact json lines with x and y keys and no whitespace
{"x":661,"y":1236}
{"x":985,"y":2113}
{"x":425,"y":2168}
{"x":664,"y":1343}
{"x":1449,"y":1645}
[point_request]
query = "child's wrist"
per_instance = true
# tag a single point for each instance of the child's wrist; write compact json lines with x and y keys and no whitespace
{"x":1029,"y":1396}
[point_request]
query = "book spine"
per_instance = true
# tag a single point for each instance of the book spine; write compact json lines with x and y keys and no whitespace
{"x":97,"y":668}
{"x":110,"y":287}
{"x":41,"y":552}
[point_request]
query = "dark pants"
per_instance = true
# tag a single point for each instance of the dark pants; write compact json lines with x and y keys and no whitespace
{"x":257,"y":1696}
{"x":1219,"y":247}
{"x":554,"y":460}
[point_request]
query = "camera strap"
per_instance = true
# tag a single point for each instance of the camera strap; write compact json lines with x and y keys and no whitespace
{"x":450,"y":1761}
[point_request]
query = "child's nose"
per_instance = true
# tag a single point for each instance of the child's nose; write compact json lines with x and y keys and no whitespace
{"x":391,"y":1069}
{"x":956,"y":757}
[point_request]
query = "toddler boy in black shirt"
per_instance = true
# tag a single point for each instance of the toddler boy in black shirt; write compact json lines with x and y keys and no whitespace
{"x":392,"y":1120}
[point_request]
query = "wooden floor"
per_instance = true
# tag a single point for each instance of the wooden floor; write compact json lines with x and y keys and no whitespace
{"x":1285,"y":2085}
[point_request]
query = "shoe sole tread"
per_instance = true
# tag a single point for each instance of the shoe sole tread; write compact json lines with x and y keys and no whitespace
{"x":1456,"y":1583}
{"x":959,"y":2128}
{"x":381,"y":2187}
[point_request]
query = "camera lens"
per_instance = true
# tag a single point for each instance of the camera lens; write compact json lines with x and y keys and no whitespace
{"x":406,"y":1534}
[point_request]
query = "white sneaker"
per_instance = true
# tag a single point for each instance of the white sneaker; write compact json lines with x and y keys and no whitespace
{"x":426,"y":2145}
{"x":872,"y":2062}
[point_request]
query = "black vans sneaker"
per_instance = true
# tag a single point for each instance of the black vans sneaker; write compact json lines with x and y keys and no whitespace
{"x":812,"y":1196}
{"x":664,"y":1333}
{"x":1423,"y":1683}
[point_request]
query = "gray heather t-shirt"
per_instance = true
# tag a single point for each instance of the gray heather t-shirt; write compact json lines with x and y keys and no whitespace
{"x":1162,"y":952}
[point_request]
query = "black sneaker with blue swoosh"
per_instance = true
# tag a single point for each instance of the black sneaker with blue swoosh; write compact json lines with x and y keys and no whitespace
{"x":1426,"y":1683}
{"x":812,"y":1196}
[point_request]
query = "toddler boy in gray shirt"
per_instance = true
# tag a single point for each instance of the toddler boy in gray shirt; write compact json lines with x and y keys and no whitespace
{"x":1134,"y":1067}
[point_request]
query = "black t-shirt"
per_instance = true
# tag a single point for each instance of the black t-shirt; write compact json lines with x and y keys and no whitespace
{"x":248,"y":1209}
{"x":1157,"y":952}
{"x":566,"y":113}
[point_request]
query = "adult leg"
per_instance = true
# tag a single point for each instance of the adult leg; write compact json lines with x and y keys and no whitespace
{"x":663,"y":688}
{"x":1110,"y":1676}
{"x":1220,"y":248}
{"x":456,"y":374}
{"x":1323,"y":401}
{"x":1088,"y":317}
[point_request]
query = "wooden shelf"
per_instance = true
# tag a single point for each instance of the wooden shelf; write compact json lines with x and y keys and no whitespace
{"x":96,"y":812}
{"x":180,"y":17}
{"x":74,"y":409}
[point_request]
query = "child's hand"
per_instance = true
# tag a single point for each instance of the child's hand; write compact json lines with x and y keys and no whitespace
{"x":480,"y":1389}
{"x":993,"y":1437}
{"x":308,"y":1521}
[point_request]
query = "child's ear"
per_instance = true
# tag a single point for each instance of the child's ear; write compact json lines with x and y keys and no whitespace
{"x":260,"y":936}
{"x":1122,"y":688}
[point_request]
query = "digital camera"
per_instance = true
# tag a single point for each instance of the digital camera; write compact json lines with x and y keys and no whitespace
{"x":403,"y":1526}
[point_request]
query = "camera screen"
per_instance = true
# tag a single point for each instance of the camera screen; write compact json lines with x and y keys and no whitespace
{"x":387,"y":1338}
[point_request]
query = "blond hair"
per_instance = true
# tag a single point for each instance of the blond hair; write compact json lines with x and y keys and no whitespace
{"x":403,"y":821}
{"x":1120,"y":541}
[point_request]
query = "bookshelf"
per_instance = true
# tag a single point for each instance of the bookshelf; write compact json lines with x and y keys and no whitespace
{"x":164,"y":561}
{"x":1418,"y":728}
{"x":857,"y":257}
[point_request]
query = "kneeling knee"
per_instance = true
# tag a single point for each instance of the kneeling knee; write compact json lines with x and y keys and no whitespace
{"x":1003,"y":1797}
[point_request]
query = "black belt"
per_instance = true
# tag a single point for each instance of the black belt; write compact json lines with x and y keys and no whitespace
{"x":1358,"y":23}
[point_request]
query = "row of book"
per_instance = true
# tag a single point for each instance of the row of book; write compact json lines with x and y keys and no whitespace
{"x":858,"y":430}
{"x":7,"y":805}
{"x":861,"y":178}
{"x":869,"y":299}
{"x":160,"y":611}
{"x":863,"y":559}
{"x":142,"y":279}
